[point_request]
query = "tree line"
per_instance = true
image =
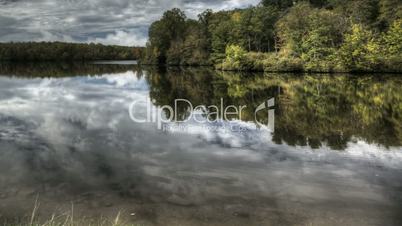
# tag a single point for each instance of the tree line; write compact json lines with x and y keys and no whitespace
{"x":284,"y":35}
{"x":59,"y":51}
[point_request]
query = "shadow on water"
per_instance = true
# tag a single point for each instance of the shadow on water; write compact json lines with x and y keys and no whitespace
{"x":334,"y":157}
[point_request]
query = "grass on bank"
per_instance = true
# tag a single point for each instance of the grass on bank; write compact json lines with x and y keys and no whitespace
{"x":67,"y":219}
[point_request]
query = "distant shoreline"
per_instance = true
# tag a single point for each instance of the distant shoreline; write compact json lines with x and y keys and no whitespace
{"x":62,"y":51}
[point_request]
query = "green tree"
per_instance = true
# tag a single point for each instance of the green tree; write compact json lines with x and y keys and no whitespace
{"x":162,"y":33}
{"x":390,"y":10}
{"x":263,"y":26}
{"x":291,"y":29}
{"x":322,"y":37}
{"x":393,"y":39}
{"x":317,"y":35}
{"x":221,"y":28}
{"x":280,"y":4}
{"x":303,"y":25}
{"x":392,"y":48}
{"x":194,"y":50}
{"x":235,"y":53}
{"x":359,"y":50}
{"x":364,"y":12}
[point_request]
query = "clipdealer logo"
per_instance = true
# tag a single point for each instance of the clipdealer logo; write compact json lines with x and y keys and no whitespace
{"x":200,"y":114}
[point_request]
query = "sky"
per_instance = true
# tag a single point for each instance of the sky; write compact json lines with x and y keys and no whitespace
{"x":114,"y":22}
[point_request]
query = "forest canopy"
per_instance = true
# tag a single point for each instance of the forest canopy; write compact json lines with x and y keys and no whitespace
{"x":284,"y":35}
{"x":59,"y":51}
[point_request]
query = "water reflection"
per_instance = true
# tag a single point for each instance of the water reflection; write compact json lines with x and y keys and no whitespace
{"x":64,"y":69}
{"x":313,"y":110}
{"x":69,"y":138}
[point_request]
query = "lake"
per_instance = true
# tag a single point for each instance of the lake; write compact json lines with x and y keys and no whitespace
{"x":99,"y":140}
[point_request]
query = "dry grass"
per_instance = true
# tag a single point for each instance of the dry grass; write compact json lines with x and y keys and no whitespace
{"x":68,"y":219}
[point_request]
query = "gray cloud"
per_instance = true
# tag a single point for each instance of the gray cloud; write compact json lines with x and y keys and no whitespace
{"x":122,"y":22}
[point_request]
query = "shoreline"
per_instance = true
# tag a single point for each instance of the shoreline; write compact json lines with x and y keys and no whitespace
{"x":214,"y":67}
{"x":211,"y":66}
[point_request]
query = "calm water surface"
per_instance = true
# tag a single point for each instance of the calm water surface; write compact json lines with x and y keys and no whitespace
{"x":66,"y":139}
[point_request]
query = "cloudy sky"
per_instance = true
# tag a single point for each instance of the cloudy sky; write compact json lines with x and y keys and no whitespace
{"x":121,"y":22}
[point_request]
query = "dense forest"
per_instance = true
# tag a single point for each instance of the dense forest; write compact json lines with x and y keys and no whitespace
{"x":284,"y":35}
{"x":59,"y":51}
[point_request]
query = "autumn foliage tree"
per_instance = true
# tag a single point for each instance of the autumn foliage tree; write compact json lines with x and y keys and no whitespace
{"x":284,"y":35}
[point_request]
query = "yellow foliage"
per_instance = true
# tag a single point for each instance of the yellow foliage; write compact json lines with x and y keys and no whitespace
{"x":236,"y":17}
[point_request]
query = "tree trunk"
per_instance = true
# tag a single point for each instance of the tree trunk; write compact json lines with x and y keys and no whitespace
{"x":269,"y":46}
{"x":249,"y":43}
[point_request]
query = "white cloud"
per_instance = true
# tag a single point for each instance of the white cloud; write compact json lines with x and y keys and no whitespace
{"x":119,"y":22}
{"x":47,"y":36}
{"x":121,"y":38}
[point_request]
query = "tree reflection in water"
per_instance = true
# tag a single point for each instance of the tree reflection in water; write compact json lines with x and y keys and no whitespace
{"x":68,"y":137}
{"x":311,"y":109}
